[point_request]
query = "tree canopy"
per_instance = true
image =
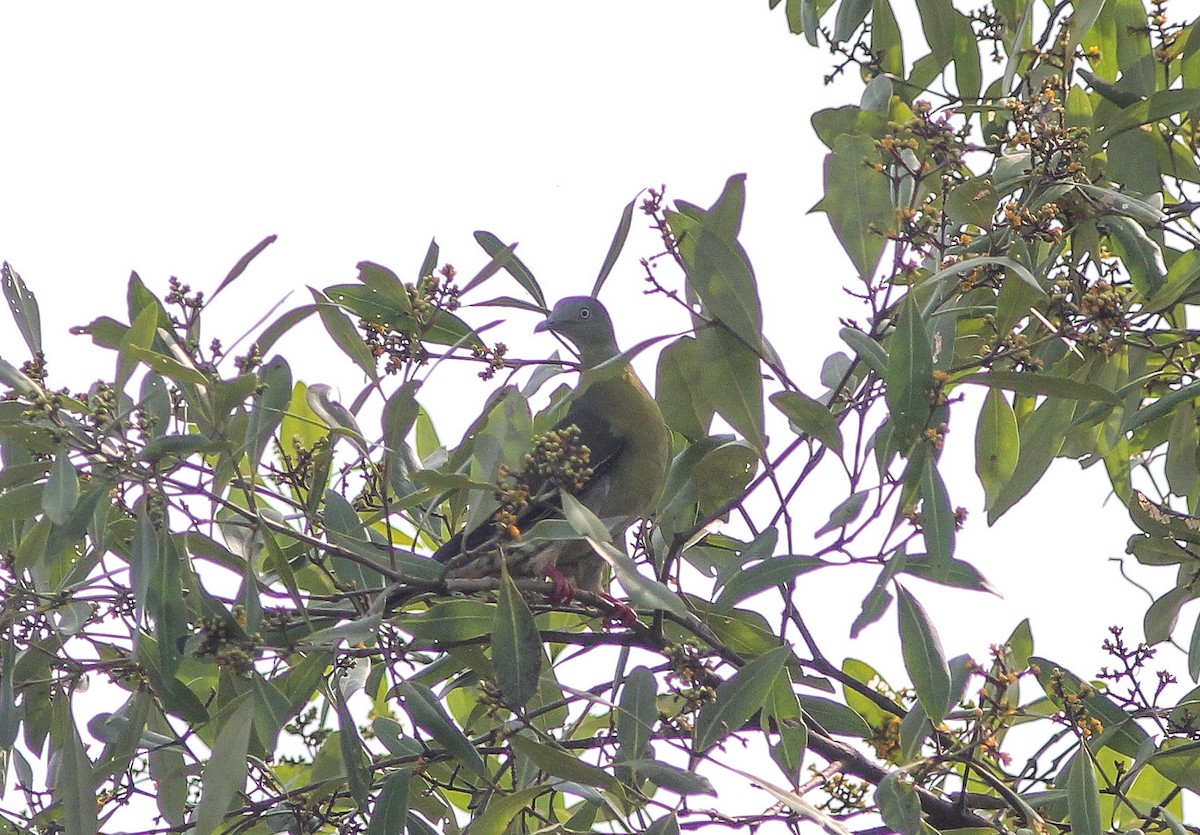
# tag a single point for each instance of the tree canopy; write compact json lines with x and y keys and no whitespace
{"x":248,"y":559}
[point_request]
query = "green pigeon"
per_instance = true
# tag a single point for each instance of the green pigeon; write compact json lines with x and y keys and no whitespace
{"x":629,"y":448}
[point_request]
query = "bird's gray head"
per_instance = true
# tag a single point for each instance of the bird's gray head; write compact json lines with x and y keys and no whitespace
{"x":585,"y":322}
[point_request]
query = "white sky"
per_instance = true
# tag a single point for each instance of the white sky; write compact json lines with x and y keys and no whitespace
{"x":143,"y":137}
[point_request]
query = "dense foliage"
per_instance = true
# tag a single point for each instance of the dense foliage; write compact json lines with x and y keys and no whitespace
{"x":247,"y":558}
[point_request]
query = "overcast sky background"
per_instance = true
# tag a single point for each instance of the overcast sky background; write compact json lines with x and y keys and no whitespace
{"x":145,"y":138}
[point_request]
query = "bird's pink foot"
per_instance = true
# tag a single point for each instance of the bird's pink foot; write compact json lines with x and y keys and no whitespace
{"x":562,"y":591}
{"x":622,"y":613}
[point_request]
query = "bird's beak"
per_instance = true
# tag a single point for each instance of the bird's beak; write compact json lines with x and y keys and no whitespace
{"x":544,"y":325}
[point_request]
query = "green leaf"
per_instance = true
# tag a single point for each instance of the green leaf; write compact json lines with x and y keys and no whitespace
{"x":1159,"y":520}
{"x":923,"y":657}
{"x":680,"y":391}
{"x":559,"y":763}
{"x":773,"y":571}
{"x":738,"y":698}
{"x":850,"y":16}
{"x":500,"y":810}
{"x":224,"y":775}
{"x":1121,"y":731}
{"x":722,"y":474}
{"x":642,"y":591}
{"x":844,"y":513}
{"x":899,"y":804}
{"x":868,"y":349}
{"x":62,"y":490}
{"x":270,"y":402}
{"x":618,"y":243}
{"x":1179,"y":761}
{"x":810,"y":416}
{"x":513,"y":265}
{"x":1193,"y":657}
{"x":1083,"y":795}
{"x":1042,"y":435}
{"x":937,"y":515}
{"x":391,"y":807}
{"x":1159,"y":106}
{"x":516,"y":646}
{"x":1141,"y":254}
{"x":428,"y":714}
{"x":672,"y":777}
{"x":453,"y":621}
{"x":74,"y":785}
{"x":354,"y":756}
{"x":169,"y":367}
{"x":938,"y":19}
{"x":344,"y":334}
{"x":24,"y":307}
{"x":997,"y":445}
{"x":1162,"y":406}
{"x":909,"y":376}
{"x":638,"y":714}
{"x":1032,"y":385}
{"x":733,"y":382}
{"x":856,"y":196}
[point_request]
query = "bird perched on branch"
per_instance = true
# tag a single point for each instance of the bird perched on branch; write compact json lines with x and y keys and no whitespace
{"x":611,"y":450}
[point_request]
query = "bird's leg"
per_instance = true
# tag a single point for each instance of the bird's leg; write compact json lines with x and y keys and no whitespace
{"x":622,"y":613}
{"x":563,"y":591}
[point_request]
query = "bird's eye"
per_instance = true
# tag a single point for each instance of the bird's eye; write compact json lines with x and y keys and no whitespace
{"x":585,"y":313}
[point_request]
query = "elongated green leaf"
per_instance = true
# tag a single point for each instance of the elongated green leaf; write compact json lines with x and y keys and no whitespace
{"x":844,"y":513}
{"x":513,"y":265}
{"x":270,"y":401}
{"x":733,"y":382}
{"x":24,"y":307}
{"x":500,"y":810}
{"x":937,"y":516}
{"x":516,"y":646}
{"x":997,"y":444}
{"x":899,"y":804}
{"x":856,"y":196}
{"x":1160,"y":105}
{"x":1160,"y":407}
{"x":1044,"y":384}
{"x":224,"y":774}
{"x":1121,"y":731}
{"x":1083,"y":794}
{"x":1141,"y":254}
{"x":241,"y":265}
{"x":74,"y":785}
{"x":618,"y":243}
{"x":811,"y":417}
{"x":1042,"y":436}
{"x":642,"y":591}
{"x":672,"y":777}
{"x":773,"y":571}
{"x":169,"y":773}
{"x":62,"y":490}
{"x":344,"y":334}
{"x":453,"y":621}
{"x":559,"y":763}
{"x":638,"y":713}
{"x":868,"y":350}
{"x":354,"y":756}
{"x":850,"y":15}
{"x":923,"y":657}
{"x":391,"y":807}
{"x":680,"y":392}
{"x":739,"y":698}
{"x":1161,"y":521}
{"x":428,"y":714}
{"x":909,"y":376}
